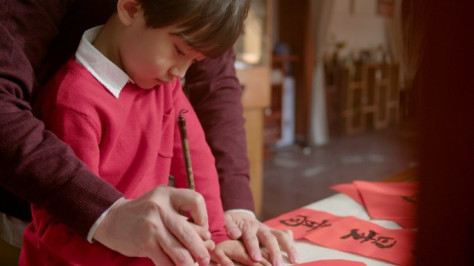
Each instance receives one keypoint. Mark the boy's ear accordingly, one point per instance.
(127, 11)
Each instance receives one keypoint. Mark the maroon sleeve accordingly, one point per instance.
(35, 165)
(215, 94)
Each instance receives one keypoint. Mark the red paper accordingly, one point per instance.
(333, 263)
(350, 190)
(361, 237)
(302, 221)
(395, 201)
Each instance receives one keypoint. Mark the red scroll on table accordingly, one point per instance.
(394, 201)
(358, 236)
(349, 234)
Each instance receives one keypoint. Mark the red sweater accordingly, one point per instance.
(132, 142)
(36, 38)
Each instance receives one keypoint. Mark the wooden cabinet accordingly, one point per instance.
(253, 70)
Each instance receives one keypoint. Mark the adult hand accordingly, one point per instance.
(253, 233)
(151, 226)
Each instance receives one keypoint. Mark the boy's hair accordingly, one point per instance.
(209, 26)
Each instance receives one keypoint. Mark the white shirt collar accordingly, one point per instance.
(106, 72)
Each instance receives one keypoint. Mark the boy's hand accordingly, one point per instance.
(233, 250)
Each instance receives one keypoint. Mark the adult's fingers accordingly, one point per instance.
(248, 226)
(172, 246)
(189, 235)
(135, 227)
(285, 239)
(202, 232)
(250, 239)
(233, 231)
(210, 245)
(268, 240)
(191, 202)
(159, 258)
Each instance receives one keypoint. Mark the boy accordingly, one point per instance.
(116, 105)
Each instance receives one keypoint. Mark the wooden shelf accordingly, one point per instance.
(362, 98)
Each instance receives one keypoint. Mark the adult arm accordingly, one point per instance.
(36, 165)
(215, 94)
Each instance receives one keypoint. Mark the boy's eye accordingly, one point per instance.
(179, 51)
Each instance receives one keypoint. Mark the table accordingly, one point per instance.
(343, 205)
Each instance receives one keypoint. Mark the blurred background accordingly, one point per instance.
(328, 97)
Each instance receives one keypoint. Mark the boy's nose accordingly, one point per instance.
(180, 71)
(177, 72)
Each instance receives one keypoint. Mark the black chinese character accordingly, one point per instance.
(304, 221)
(385, 242)
(380, 241)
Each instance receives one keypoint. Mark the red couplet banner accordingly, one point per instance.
(349, 234)
(361, 237)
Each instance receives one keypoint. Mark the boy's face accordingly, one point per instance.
(152, 56)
